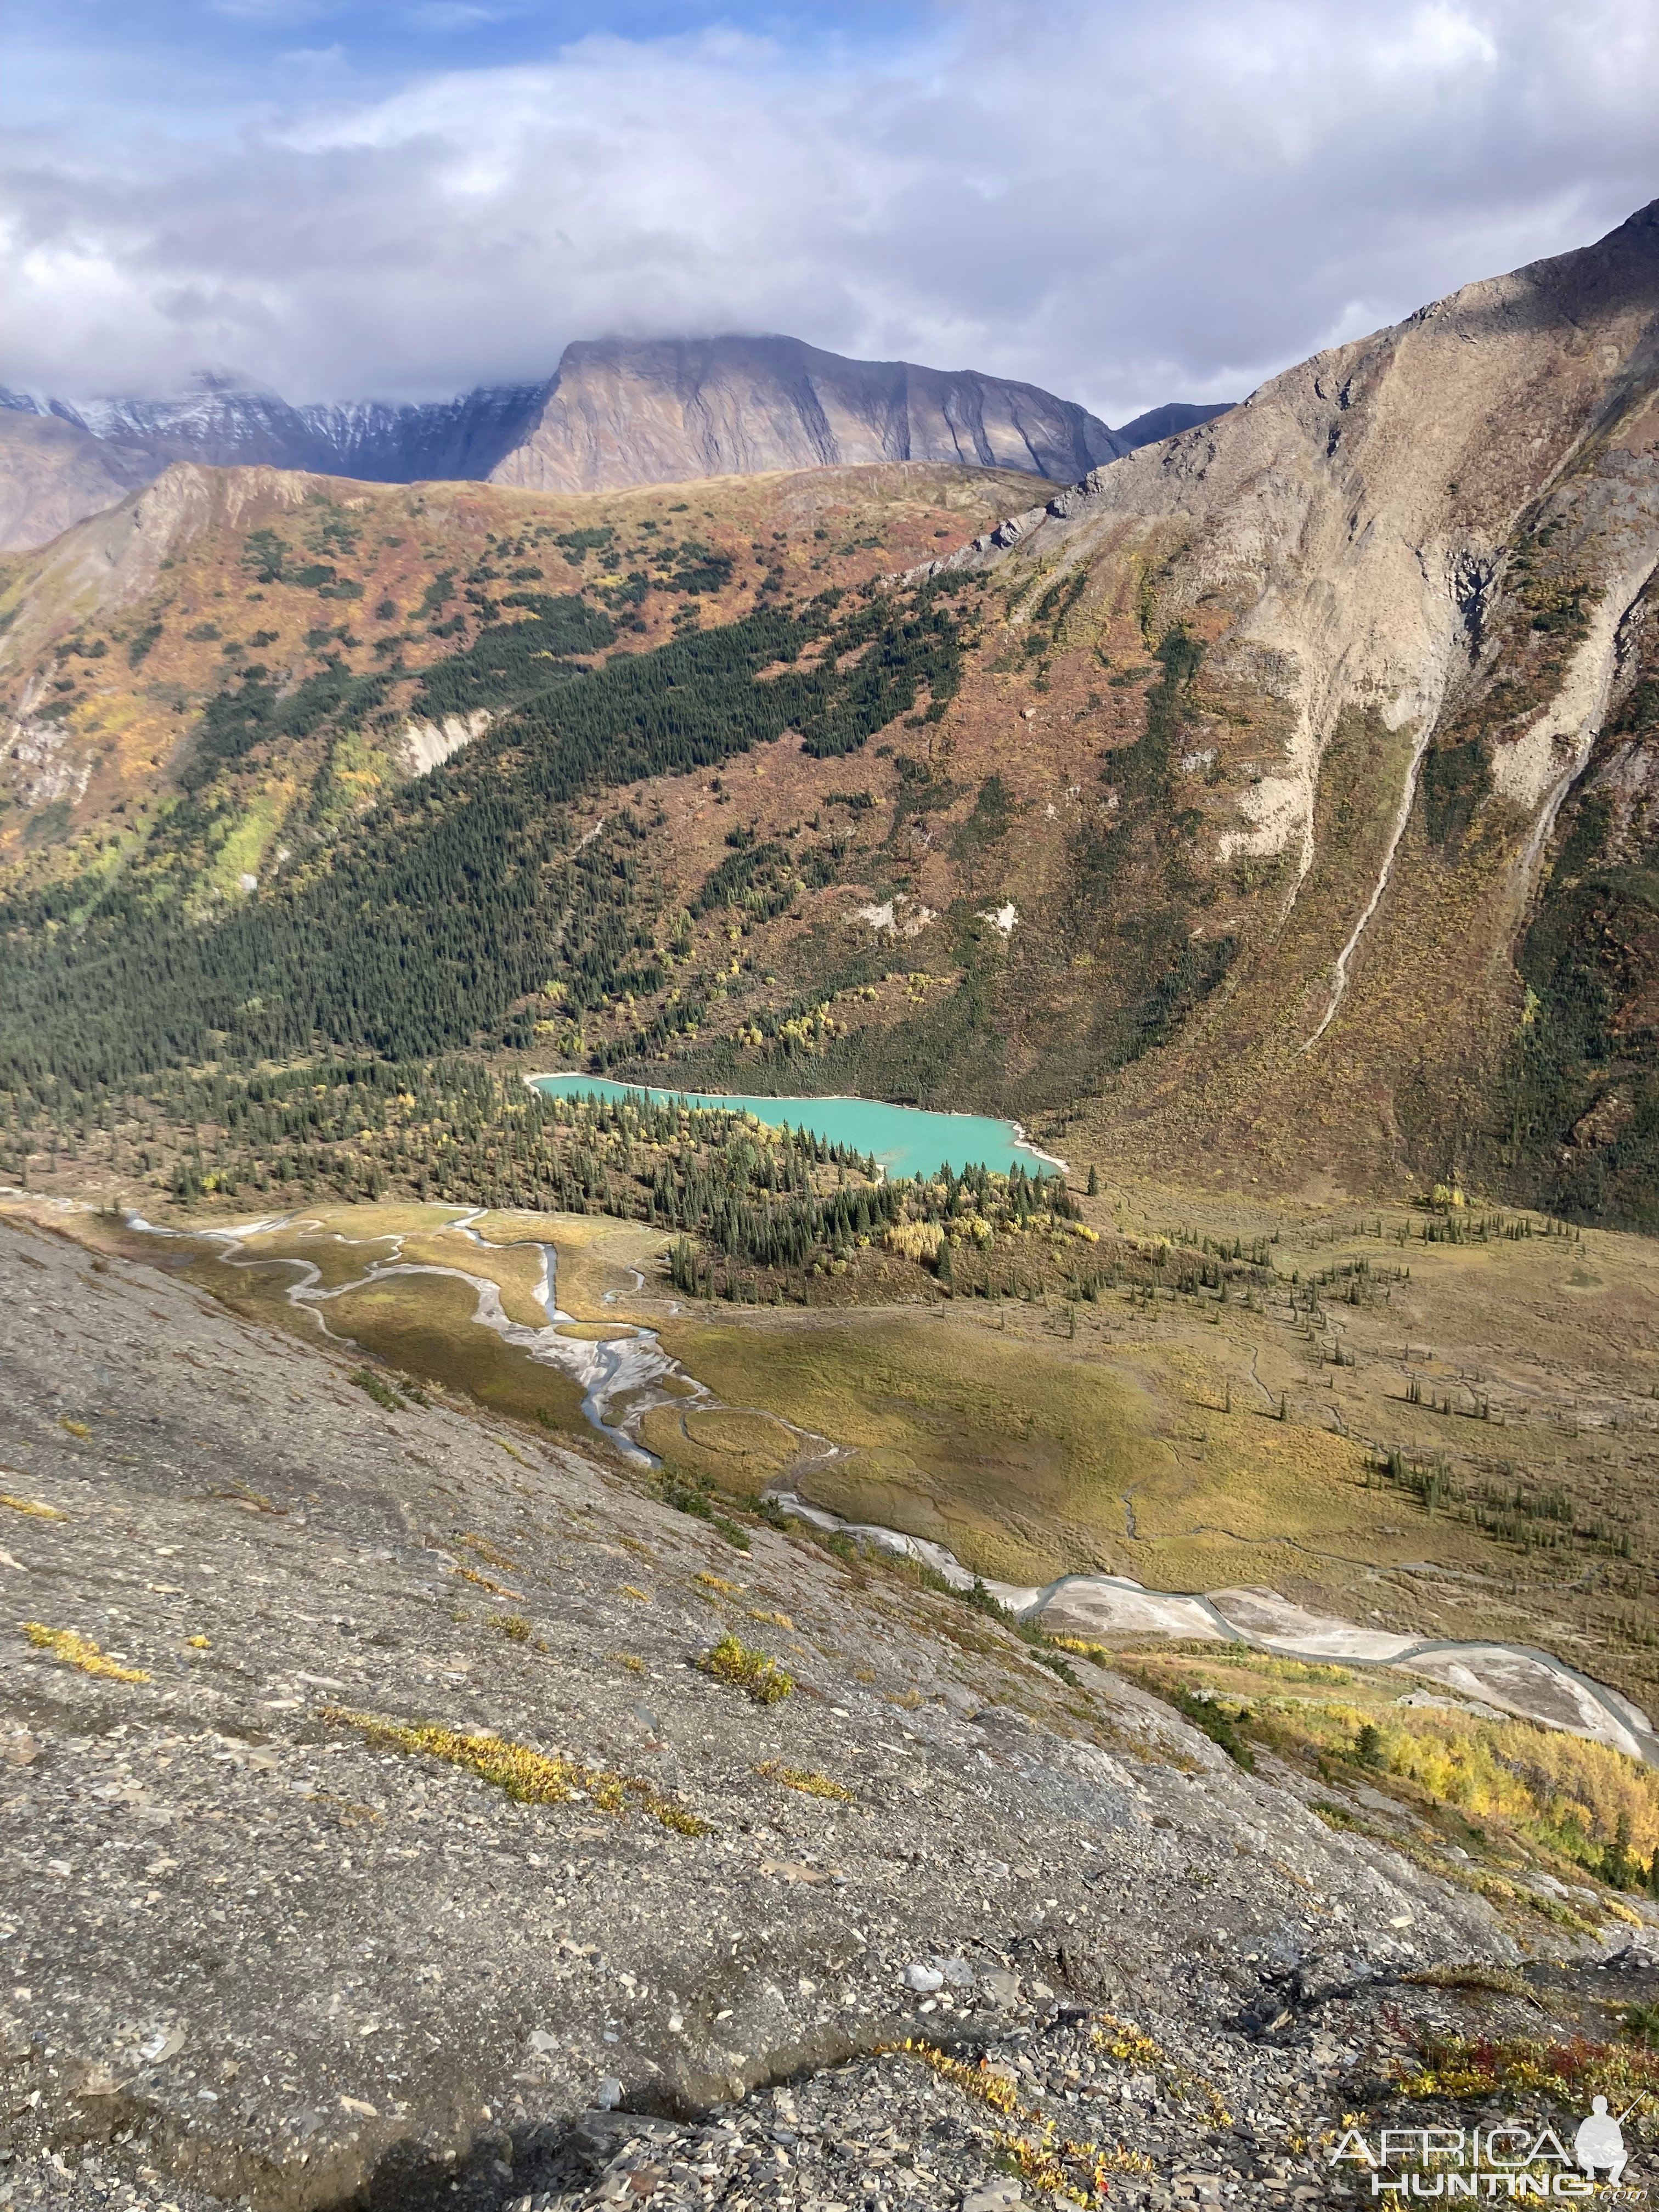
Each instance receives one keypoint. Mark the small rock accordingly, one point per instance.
(609, 2094)
(994, 2196)
(1001, 1985)
(1205, 2187)
(1633, 1957)
(1324, 1974)
(956, 1972)
(924, 1979)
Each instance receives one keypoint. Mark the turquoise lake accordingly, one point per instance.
(905, 1139)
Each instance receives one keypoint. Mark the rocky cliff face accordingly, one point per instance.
(444, 442)
(622, 411)
(1398, 607)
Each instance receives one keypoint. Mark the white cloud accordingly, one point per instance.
(280, 12)
(445, 16)
(1164, 197)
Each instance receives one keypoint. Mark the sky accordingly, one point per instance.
(1124, 201)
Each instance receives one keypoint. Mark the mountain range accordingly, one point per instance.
(615, 412)
(1302, 764)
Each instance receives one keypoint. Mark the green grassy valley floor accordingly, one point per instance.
(1452, 1438)
(1455, 1438)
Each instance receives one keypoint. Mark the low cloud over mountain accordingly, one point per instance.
(1117, 204)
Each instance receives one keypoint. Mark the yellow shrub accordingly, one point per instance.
(79, 1651)
(28, 1505)
(752, 1671)
(808, 1780)
(1539, 1780)
(533, 1777)
(914, 1240)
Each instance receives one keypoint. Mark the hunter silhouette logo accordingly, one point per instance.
(1511, 2160)
(1599, 2141)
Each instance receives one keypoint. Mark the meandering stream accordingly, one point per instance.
(632, 1366)
(625, 1378)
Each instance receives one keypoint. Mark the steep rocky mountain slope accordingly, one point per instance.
(1390, 797)
(226, 421)
(54, 472)
(633, 411)
(615, 412)
(1167, 422)
(383, 1826)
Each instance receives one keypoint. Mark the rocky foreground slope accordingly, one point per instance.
(275, 1935)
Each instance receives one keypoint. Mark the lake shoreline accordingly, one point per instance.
(1016, 1139)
